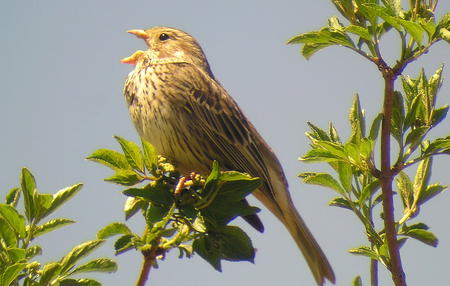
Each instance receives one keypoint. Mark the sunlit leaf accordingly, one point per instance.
(322, 179)
(110, 158)
(14, 220)
(150, 155)
(49, 272)
(113, 229)
(96, 265)
(79, 252)
(424, 236)
(28, 185)
(62, 196)
(51, 226)
(132, 153)
(12, 197)
(365, 251)
(340, 202)
(11, 273)
(125, 178)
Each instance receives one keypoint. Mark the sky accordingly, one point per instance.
(61, 99)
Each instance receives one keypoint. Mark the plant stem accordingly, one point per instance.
(145, 270)
(398, 276)
(149, 260)
(373, 272)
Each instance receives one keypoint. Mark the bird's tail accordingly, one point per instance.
(314, 256)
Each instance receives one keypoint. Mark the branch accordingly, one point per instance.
(398, 276)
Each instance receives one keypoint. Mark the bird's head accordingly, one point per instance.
(171, 45)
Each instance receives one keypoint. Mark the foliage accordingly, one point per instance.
(18, 231)
(407, 116)
(191, 214)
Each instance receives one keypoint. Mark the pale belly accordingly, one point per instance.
(171, 130)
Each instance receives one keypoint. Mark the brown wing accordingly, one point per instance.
(238, 142)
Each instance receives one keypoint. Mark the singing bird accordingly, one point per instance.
(176, 103)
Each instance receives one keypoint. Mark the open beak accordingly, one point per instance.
(139, 33)
(133, 58)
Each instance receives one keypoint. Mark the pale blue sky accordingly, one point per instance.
(62, 99)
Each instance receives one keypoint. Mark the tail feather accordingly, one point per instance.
(314, 256)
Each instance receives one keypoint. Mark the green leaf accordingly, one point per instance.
(62, 196)
(12, 197)
(317, 133)
(334, 34)
(51, 226)
(405, 186)
(11, 273)
(213, 178)
(7, 233)
(364, 251)
(419, 225)
(237, 189)
(357, 121)
(150, 155)
(416, 135)
(155, 214)
(14, 220)
(156, 193)
(208, 249)
(375, 127)
(322, 179)
(382, 12)
(414, 109)
(132, 153)
(79, 282)
(369, 190)
(33, 251)
(79, 252)
(28, 185)
(442, 27)
(438, 115)
(334, 137)
(42, 202)
(357, 281)
(133, 205)
(125, 178)
(16, 254)
(113, 229)
(424, 236)
(394, 6)
(398, 117)
(345, 175)
(236, 244)
(437, 146)
(49, 272)
(110, 158)
(124, 243)
(326, 151)
(429, 27)
(422, 177)
(96, 265)
(360, 31)
(414, 29)
(431, 191)
(340, 202)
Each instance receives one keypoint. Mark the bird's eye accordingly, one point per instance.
(163, 37)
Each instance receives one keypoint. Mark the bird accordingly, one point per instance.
(177, 104)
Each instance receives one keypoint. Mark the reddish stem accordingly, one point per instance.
(386, 177)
